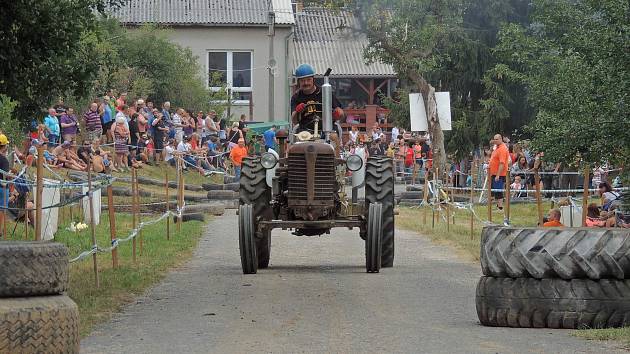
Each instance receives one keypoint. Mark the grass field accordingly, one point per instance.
(120, 286)
(459, 237)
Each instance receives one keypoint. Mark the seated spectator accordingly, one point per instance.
(68, 158)
(610, 199)
(169, 150)
(594, 217)
(554, 219)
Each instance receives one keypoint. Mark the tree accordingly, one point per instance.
(39, 42)
(573, 59)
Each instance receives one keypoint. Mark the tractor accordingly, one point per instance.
(302, 189)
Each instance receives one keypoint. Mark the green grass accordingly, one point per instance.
(458, 236)
(120, 286)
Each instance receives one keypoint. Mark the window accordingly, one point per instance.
(230, 68)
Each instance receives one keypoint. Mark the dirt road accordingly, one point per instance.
(317, 298)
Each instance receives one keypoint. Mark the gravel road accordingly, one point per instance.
(317, 298)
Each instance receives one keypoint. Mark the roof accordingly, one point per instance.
(324, 40)
(203, 12)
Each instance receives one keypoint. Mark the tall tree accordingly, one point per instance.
(39, 43)
(574, 60)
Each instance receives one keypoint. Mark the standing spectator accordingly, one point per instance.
(143, 118)
(222, 129)
(149, 109)
(236, 155)
(4, 188)
(270, 138)
(134, 135)
(52, 127)
(69, 125)
(169, 150)
(93, 122)
(395, 133)
(160, 131)
(121, 139)
(166, 113)
(499, 164)
(234, 135)
(121, 101)
(188, 123)
(178, 125)
(107, 118)
(242, 125)
(353, 135)
(554, 219)
(60, 107)
(211, 126)
(200, 124)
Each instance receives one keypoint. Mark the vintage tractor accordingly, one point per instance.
(303, 189)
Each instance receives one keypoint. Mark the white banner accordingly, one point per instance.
(417, 113)
(443, 101)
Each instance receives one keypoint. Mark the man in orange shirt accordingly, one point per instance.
(499, 165)
(236, 155)
(554, 219)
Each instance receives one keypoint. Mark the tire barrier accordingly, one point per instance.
(32, 268)
(553, 303)
(567, 253)
(554, 277)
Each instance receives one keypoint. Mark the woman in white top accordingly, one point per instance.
(353, 134)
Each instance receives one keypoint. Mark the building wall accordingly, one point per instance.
(203, 39)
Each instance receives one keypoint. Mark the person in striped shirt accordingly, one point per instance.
(93, 122)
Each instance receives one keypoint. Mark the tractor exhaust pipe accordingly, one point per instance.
(327, 105)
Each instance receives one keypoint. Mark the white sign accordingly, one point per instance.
(443, 101)
(96, 203)
(50, 196)
(417, 113)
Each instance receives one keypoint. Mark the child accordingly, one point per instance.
(517, 186)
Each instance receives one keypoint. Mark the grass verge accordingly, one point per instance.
(467, 245)
(120, 286)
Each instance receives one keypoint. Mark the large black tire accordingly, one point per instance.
(374, 238)
(553, 303)
(568, 253)
(379, 188)
(40, 324)
(33, 268)
(247, 240)
(254, 190)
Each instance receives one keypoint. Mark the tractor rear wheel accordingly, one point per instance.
(254, 190)
(374, 238)
(379, 188)
(246, 239)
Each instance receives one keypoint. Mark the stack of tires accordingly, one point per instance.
(35, 315)
(554, 278)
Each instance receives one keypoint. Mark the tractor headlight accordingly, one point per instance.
(354, 162)
(268, 160)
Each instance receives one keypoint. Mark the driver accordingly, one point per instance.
(306, 103)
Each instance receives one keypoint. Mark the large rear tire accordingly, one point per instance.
(553, 303)
(379, 188)
(246, 239)
(374, 237)
(254, 190)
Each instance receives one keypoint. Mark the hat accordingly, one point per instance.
(235, 125)
(140, 101)
(3, 140)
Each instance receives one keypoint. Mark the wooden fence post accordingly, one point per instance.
(92, 224)
(138, 213)
(39, 190)
(425, 196)
(168, 208)
(507, 195)
(112, 224)
(133, 213)
(538, 198)
(472, 199)
(587, 171)
(180, 190)
(489, 196)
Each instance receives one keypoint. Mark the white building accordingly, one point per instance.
(230, 37)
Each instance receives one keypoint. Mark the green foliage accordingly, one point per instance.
(573, 60)
(41, 46)
(9, 125)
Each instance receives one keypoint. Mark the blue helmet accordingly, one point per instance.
(304, 70)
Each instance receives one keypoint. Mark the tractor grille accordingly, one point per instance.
(324, 178)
